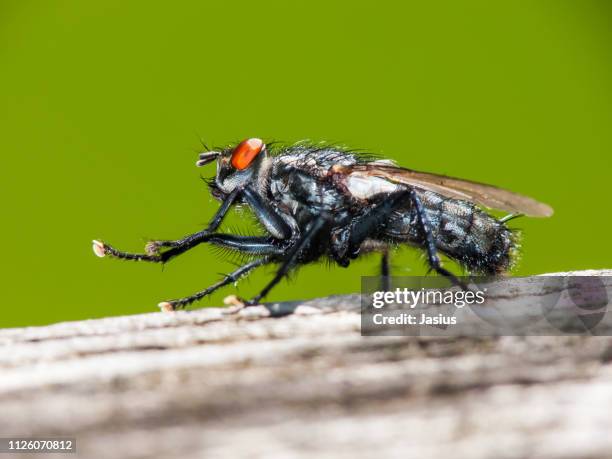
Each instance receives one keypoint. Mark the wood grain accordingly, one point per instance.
(297, 380)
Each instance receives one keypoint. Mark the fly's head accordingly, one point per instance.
(237, 166)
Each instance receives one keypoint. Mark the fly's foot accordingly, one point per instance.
(99, 248)
(174, 305)
(235, 303)
(167, 306)
(234, 300)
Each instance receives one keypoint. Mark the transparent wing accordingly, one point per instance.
(479, 193)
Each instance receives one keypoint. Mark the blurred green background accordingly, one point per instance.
(103, 104)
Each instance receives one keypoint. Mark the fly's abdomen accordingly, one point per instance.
(461, 231)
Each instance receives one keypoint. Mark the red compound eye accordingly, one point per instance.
(246, 151)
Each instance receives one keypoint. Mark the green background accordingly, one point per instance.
(103, 104)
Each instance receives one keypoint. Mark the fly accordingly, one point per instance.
(318, 201)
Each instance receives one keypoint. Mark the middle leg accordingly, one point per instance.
(266, 247)
(292, 257)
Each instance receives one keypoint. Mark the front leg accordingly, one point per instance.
(268, 216)
(266, 247)
(265, 213)
(176, 247)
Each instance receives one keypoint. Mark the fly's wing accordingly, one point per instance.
(479, 193)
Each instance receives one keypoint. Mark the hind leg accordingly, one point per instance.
(349, 240)
(430, 244)
(385, 271)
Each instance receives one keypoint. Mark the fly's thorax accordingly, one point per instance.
(300, 178)
(304, 195)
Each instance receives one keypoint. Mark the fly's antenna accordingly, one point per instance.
(207, 157)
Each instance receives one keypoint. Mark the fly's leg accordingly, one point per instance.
(228, 279)
(385, 271)
(268, 216)
(180, 246)
(103, 249)
(346, 242)
(176, 247)
(245, 244)
(251, 245)
(430, 243)
(153, 253)
(369, 223)
(291, 258)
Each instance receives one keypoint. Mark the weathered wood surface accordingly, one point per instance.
(207, 384)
